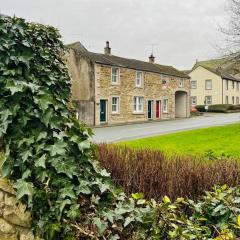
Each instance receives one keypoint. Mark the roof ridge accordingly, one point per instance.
(136, 64)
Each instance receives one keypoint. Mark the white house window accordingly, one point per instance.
(181, 82)
(226, 101)
(226, 84)
(115, 104)
(194, 100)
(193, 84)
(208, 84)
(208, 100)
(115, 76)
(233, 100)
(139, 79)
(138, 104)
(237, 100)
(237, 86)
(233, 84)
(165, 105)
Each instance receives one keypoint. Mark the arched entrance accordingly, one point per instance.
(181, 105)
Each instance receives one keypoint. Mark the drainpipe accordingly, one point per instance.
(222, 90)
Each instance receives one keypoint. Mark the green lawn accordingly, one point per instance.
(221, 140)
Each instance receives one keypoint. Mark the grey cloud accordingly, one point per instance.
(183, 30)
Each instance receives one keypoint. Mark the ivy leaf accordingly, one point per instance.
(58, 148)
(104, 173)
(83, 187)
(14, 87)
(64, 203)
(26, 174)
(6, 168)
(101, 225)
(26, 154)
(67, 192)
(64, 166)
(84, 145)
(74, 211)
(41, 162)
(42, 135)
(128, 220)
(23, 188)
(43, 101)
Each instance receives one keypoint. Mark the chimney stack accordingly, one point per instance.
(107, 49)
(151, 59)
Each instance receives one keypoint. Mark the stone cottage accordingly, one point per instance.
(108, 89)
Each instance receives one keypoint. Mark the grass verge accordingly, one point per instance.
(221, 141)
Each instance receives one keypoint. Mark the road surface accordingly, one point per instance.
(140, 130)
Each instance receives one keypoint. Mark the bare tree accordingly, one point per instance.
(232, 31)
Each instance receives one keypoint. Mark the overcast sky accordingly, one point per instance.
(181, 31)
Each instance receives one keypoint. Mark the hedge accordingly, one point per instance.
(201, 108)
(220, 108)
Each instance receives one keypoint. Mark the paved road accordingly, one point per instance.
(134, 131)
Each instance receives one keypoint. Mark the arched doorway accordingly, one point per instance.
(181, 104)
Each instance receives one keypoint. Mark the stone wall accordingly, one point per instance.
(152, 89)
(15, 221)
(81, 70)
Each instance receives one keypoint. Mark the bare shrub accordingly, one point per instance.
(156, 174)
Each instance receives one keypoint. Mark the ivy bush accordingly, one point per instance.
(47, 153)
(51, 160)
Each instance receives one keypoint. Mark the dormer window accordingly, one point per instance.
(139, 79)
(115, 76)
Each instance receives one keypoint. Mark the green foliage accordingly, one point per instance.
(47, 153)
(200, 108)
(224, 108)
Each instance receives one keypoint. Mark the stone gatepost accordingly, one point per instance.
(15, 221)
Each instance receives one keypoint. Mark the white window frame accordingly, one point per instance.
(138, 104)
(165, 105)
(195, 86)
(238, 86)
(181, 82)
(233, 84)
(117, 111)
(117, 76)
(208, 102)
(237, 100)
(192, 102)
(226, 84)
(233, 100)
(139, 81)
(226, 100)
(206, 85)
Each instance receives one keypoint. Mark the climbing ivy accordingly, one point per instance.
(47, 152)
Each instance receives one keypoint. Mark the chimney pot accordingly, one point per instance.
(107, 49)
(151, 59)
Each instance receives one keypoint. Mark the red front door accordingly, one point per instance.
(158, 109)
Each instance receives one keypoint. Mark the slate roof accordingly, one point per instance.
(136, 64)
(223, 74)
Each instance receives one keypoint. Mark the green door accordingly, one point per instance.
(103, 111)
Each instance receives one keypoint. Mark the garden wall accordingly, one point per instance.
(14, 220)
